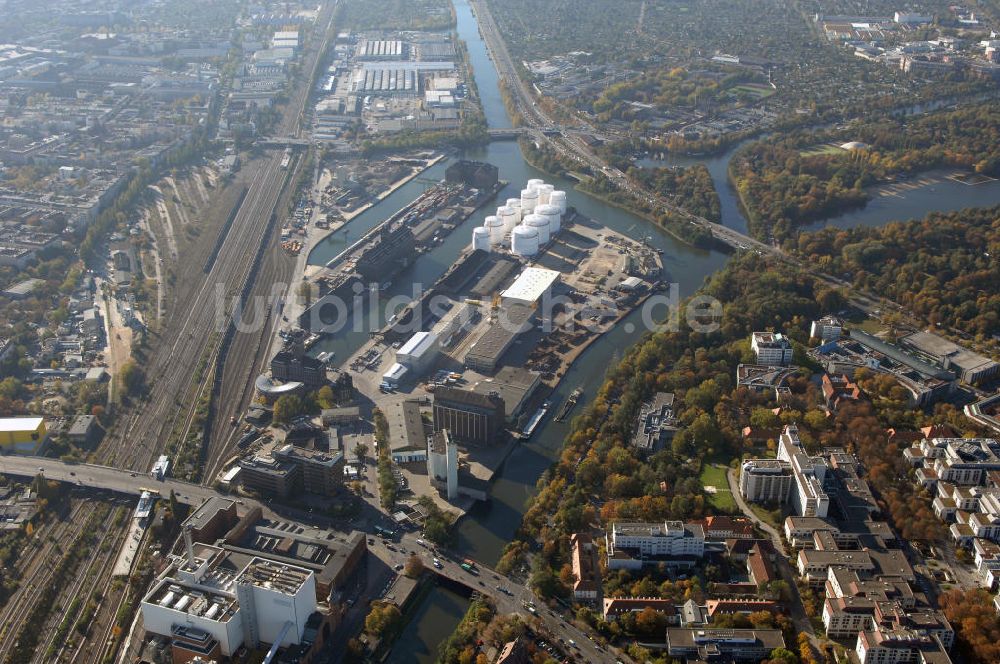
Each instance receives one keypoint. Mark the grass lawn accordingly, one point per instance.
(760, 92)
(768, 516)
(870, 325)
(827, 148)
(712, 475)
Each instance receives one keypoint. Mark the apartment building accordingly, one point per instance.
(766, 480)
(808, 496)
(586, 570)
(771, 348)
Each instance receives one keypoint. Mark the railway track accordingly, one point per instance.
(18, 610)
(107, 644)
(85, 582)
(143, 430)
(248, 354)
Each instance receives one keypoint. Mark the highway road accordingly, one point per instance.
(552, 625)
(487, 581)
(107, 478)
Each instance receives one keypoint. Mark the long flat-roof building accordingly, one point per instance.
(486, 352)
(418, 352)
(808, 496)
(632, 545)
(970, 366)
(380, 49)
(531, 285)
(707, 644)
(586, 569)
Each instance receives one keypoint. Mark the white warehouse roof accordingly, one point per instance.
(418, 344)
(530, 284)
(15, 424)
(395, 373)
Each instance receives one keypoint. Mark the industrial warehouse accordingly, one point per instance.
(478, 354)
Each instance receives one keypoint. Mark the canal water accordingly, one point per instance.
(887, 203)
(431, 625)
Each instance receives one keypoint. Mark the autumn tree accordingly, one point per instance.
(414, 566)
(977, 627)
(383, 619)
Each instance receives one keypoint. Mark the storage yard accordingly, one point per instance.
(506, 321)
(373, 260)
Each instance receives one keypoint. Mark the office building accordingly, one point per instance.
(320, 472)
(766, 480)
(771, 348)
(286, 470)
(632, 545)
(827, 328)
(708, 644)
(471, 418)
(292, 365)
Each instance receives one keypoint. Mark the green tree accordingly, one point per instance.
(287, 407)
(764, 418)
(382, 620)
(324, 397)
(132, 378)
(11, 388)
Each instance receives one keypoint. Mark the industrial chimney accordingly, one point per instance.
(189, 545)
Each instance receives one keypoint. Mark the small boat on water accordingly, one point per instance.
(535, 420)
(570, 404)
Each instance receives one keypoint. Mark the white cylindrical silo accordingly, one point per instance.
(508, 216)
(529, 199)
(544, 192)
(550, 212)
(480, 238)
(540, 224)
(494, 225)
(515, 204)
(535, 184)
(524, 241)
(558, 198)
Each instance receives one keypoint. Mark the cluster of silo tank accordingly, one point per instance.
(530, 221)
